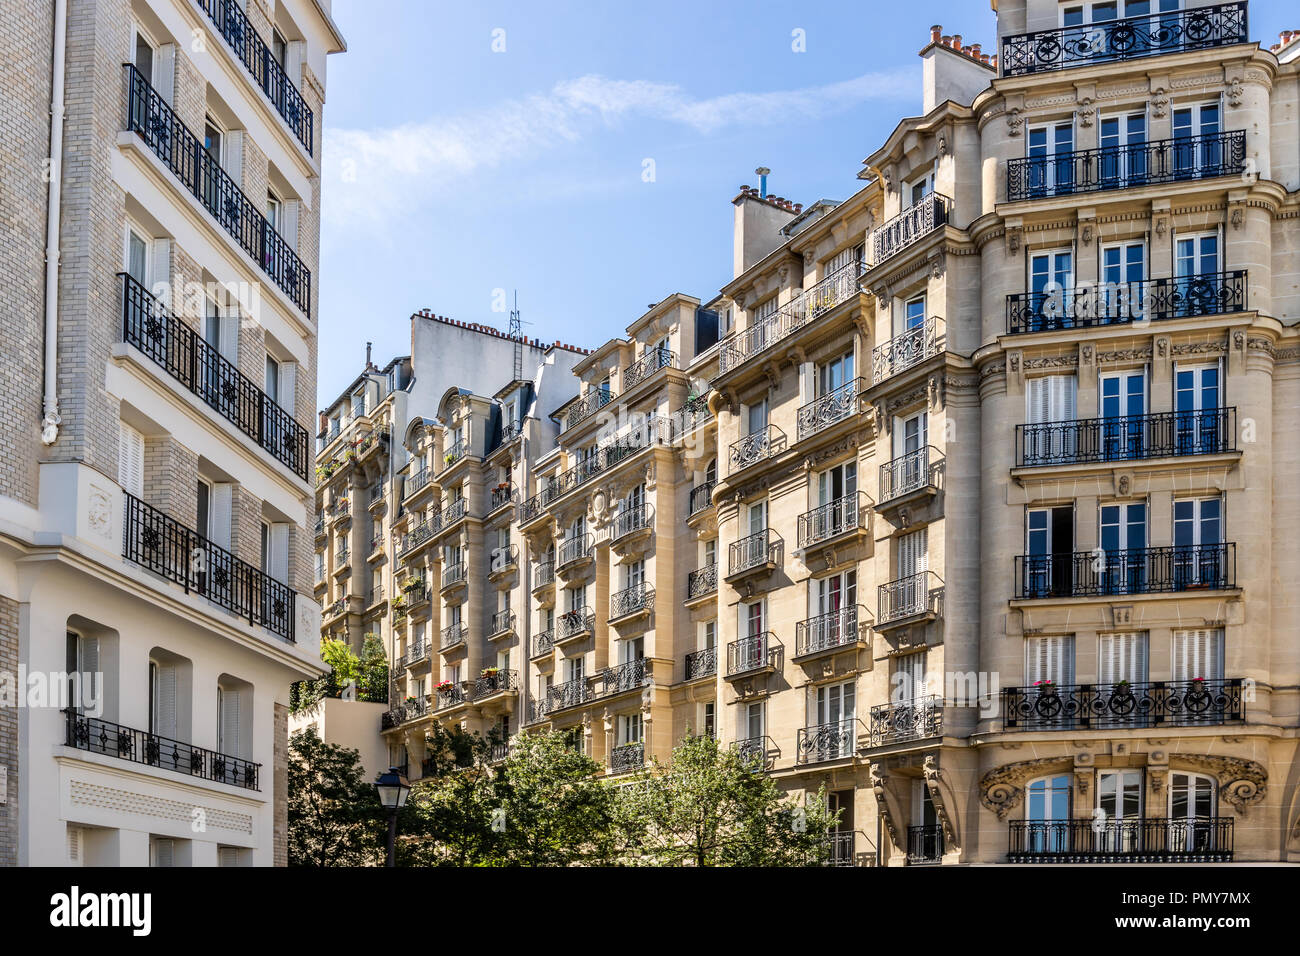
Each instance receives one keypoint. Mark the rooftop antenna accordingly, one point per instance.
(763, 172)
(517, 333)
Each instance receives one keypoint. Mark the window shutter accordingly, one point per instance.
(89, 647)
(234, 157)
(130, 460)
(76, 855)
(1049, 658)
(164, 853)
(1122, 657)
(229, 719)
(1036, 404)
(227, 856)
(289, 222)
(165, 72)
(1198, 653)
(228, 334)
(165, 719)
(807, 381)
(222, 498)
(160, 270)
(288, 386)
(280, 551)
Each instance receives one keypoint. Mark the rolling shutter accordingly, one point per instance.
(165, 701)
(76, 850)
(229, 721)
(280, 551)
(288, 386)
(163, 853)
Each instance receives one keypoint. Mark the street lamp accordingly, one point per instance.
(393, 788)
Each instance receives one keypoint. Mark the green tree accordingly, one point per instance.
(372, 680)
(448, 816)
(335, 818)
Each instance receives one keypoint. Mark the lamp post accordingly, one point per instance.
(393, 789)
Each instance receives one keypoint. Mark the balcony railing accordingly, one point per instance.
(627, 757)
(182, 152)
(1210, 431)
(535, 506)
(835, 518)
(452, 695)
(924, 844)
(701, 497)
(693, 413)
(499, 497)
(646, 431)
(833, 407)
(568, 694)
(537, 711)
(575, 549)
(830, 741)
(907, 597)
(458, 450)
(597, 398)
(1174, 32)
(451, 514)
(454, 634)
(232, 23)
(503, 622)
(840, 850)
(574, 623)
(701, 664)
(205, 372)
(417, 481)
(414, 655)
(495, 683)
(905, 474)
(543, 642)
(649, 363)
(753, 551)
(702, 581)
(543, 574)
(416, 537)
(1050, 706)
(631, 600)
(629, 521)
(1122, 167)
(838, 287)
(453, 575)
(910, 226)
(905, 350)
(757, 752)
(914, 719)
(95, 735)
(756, 447)
(752, 653)
(828, 631)
(630, 675)
(1088, 306)
(1159, 840)
(168, 548)
(1160, 570)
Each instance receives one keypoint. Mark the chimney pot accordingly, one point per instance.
(956, 42)
(798, 207)
(947, 41)
(936, 32)
(974, 50)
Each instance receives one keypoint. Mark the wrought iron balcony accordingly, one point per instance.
(753, 653)
(630, 521)
(376, 595)
(757, 752)
(490, 684)
(1210, 431)
(831, 741)
(702, 581)
(454, 634)
(537, 711)
(417, 481)
(840, 849)
(448, 694)
(833, 407)
(575, 623)
(645, 432)
(649, 363)
(900, 722)
(458, 450)
(420, 534)
(166, 547)
(1160, 570)
(826, 632)
(701, 664)
(1201, 28)
(909, 226)
(756, 447)
(693, 413)
(1123, 167)
(503, 622)
(906, 474)
(509, 432)
(627, 757)
(701, 497)
(535, 507)
(924, 845)
(833, 519)
(501, 496)
(912, 596)
(504, 560)
(1050, 706)
(756, 552)
(597, 398)
(568, 694)
(95, 735)
(449, 515)
(1157, 840)
(415, 654)
(453, 575)
(232, 23)
(320, 526)
(633, 600)
(574, 549)
(205, 372)
(905, 350)
(341, 558)
(631, 675)
(543, 574)
(182, 152)
(1088, 306)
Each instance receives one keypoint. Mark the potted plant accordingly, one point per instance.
(1045, 687)
(444, 685)
(489, 672)
(1123, 688)
(410, 701)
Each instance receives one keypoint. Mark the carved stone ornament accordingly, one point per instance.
(1236, 90)
(1087, 234)
(1242, 782)
(1002, 789)
(99, 513)
(1013, 241)
(1162, 226)
(1238, 217)
(1014, 121)
(1086, 111)
(879, 782)
(1159, 101)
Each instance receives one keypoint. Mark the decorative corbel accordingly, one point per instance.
(1086, 111)
(1236, 91)
(879, 787)
(1014, 121)
(1159, 101)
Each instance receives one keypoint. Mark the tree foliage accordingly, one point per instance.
(335, 818)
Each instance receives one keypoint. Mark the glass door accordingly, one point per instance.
(1123, 405)
(1197, 149)
(1124, 540)
(1117, 824)
(1047, 815)
(1051, 166)
(1192, 807)
(1196, 267)
(1198, 531)
(1051, 279)
(1123, 158)
(834, 718)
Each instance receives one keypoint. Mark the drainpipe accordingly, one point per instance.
(51, 420)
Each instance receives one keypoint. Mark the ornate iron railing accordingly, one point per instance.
(1088, 306)
(905, 597)
(574, 623)
(457, 450)
(839, 849)
(752, 653)
(99, 736)
(899, 722)
(758, 752)
(910, 226)
(503, 558)
(694, 413)
(568, 694)
(828, 631)
(182, 152)
(417, 536)
(701, 497)
(452, 696)
(543, 574)
(376, 595)
(232, 23)
(627, 757)
(631, 520)
(905, 350)
(649, 363)
(905, 474)
(631, 675)
(500, 682)
(574, 549)
(631, 601)
(453, 575)
(597, 398)
(449, 515)
(416, 481)
(1146, 704)
(509, 432)
(1159, 570)
(499, 497)
(1158, 840)
(535, 507)
(503, 622)
(166, 547)
(702, 663)
(830, 741)
(755, 447)
(537, 711)
(1173, 32)
(835, 406)
(543, 642)
(849, 513)
(1209, 431)
(415, 654)
(702, 581)
(202, 370)
(753, 551)
(1122, 167)
(454, 634)
(924, 844)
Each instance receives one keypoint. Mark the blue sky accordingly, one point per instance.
(452, 171)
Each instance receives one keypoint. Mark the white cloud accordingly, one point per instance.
(372, 174)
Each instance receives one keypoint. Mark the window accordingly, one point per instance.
(162, 852)
(757, 516)
(913, 314)
(1049, 399)
(162, 699)
(1051, 277)
(1123, 159)
(137, 255)
(213, 143)
(757, 416)
(146, 56)
(1124, 539)
(918, 189)
(708, 719)
(634, 574)
(755, 721)
(1198, 653)
(709, 635)
(911, 435)
(845, 258)
(1123, 268)
(1193, 803)
(1196, 403)
(1196, 258)
(232, 728)
(203, 497)
(1123, 403)
(82, 659)
(573, 669)
(1049, 550)
(1049, 658)
(1121, 657)
(320, 565)
(274, 208)
(838, 482)
(1047, 811)
(910, 680)
(835, 705)
(751, 622)
(629, 729)
(1198, 149)
(278, 47)
(1051, 167)
(912, 556)
(272, 379)
(834, 374)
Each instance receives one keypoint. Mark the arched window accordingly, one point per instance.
(1047, 814)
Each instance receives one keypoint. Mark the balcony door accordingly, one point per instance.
(834, 712)
(1123, 399)
(832, 485)
(1117, 826)
(1050, 400)
(1198, 654)
(829, 601)
(1123, 270)
(1196, 268)
(1051, 164)
(835, 374)
(757, 521)
(1049, 660)
(754, 727)
(1049, 546)
(1051, 277)
(910, 679)
(1121, 657)
(913, 560)
(1192, 808)
(1198, 149)
(913, 318)
(1198, 530)
(1124, 540)
(1196, 407)
(910, 465)
(1123, 159)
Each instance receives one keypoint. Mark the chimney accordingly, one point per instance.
(936, 33)
(369, 364)
(951, 71)
(756, 223)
